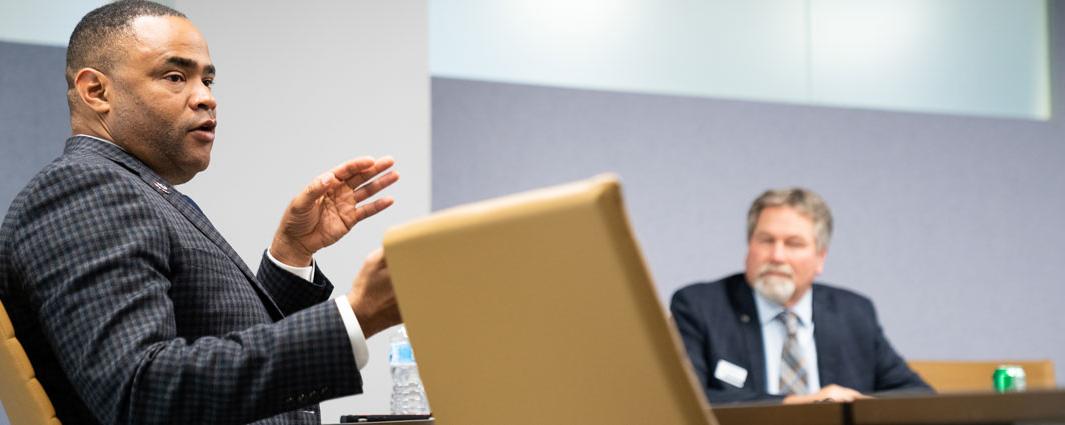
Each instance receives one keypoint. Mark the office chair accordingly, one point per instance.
(538, 308)
(23, 397)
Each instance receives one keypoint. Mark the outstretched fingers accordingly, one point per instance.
(308, 197)
(372, 208)
(353, 167)
(383, 181)
(359, 177)
(355, 182)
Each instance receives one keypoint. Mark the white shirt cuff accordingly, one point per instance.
(351, 323)
(307, 273)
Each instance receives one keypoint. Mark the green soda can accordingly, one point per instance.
(1009, 379)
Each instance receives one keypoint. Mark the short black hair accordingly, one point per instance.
(94, 42)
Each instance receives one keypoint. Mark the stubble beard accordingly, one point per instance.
(163, 139)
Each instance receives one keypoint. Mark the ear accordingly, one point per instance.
(94, 89)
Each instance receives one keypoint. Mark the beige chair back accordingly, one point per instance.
(23, 397)
(975, 376)
(538, 308)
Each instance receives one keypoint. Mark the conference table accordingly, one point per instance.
(1033, 407)
(1042, 407)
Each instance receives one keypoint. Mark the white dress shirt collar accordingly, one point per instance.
(769, 310)
(102, 140)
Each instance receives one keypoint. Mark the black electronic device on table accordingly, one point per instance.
(359, 419)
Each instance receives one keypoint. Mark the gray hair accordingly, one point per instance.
(805, 201)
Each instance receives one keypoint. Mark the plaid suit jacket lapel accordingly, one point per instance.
(175, 198)
(201, 222)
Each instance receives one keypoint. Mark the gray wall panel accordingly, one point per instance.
(952, 224)
(34, 120)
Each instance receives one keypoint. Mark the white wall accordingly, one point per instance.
(301, 87)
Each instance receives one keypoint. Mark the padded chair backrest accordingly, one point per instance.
(23, 397)
(948, 376)
(538, 308)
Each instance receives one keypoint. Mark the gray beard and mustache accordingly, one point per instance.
(776, 288)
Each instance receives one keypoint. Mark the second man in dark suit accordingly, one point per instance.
(772, 333)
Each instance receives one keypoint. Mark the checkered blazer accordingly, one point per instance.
(135, 310)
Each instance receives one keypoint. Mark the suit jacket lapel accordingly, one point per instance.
(742, 299)
(201, 222)
(826, 337)
(175, 198)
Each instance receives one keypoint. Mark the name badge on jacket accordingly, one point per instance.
(730, 373)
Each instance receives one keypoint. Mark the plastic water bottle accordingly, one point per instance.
(408, 394)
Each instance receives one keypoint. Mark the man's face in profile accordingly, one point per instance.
(782, 256)
(162, 106)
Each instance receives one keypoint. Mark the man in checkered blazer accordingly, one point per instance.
(130, 305)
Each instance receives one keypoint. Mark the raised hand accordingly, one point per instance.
(330, 206)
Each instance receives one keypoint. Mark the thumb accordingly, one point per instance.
(376, 259)
(310, 194)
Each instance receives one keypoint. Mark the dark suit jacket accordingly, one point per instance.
(719, 321)
(134, 309)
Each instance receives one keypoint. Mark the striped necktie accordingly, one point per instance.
(792, 373)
